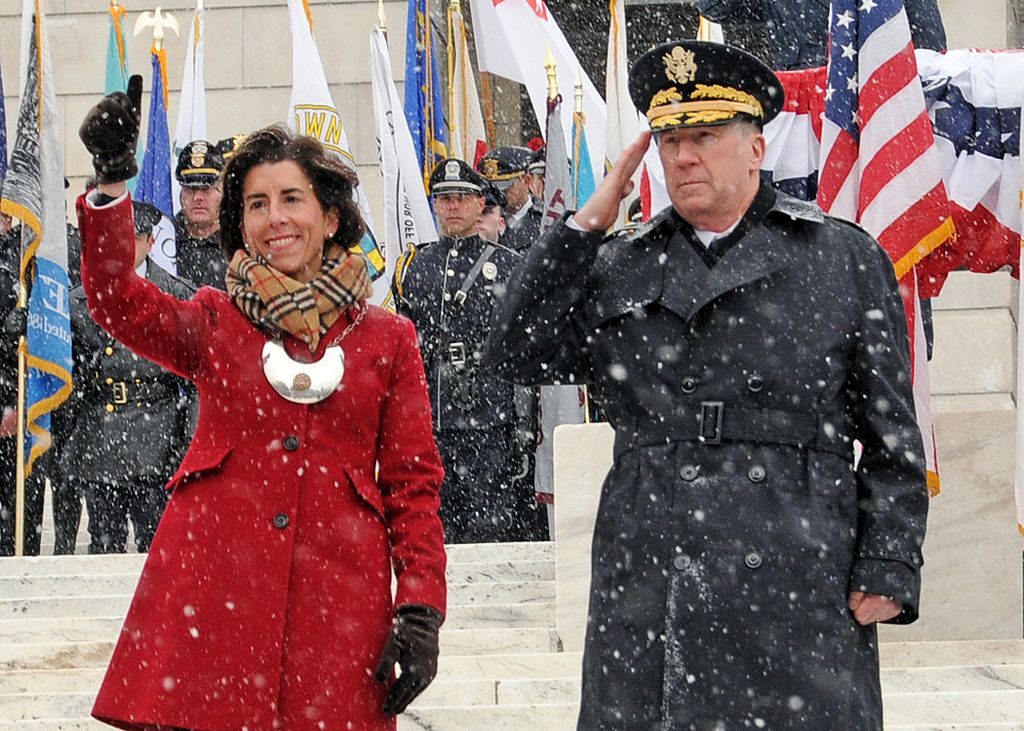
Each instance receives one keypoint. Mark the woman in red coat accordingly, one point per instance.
(266, 601)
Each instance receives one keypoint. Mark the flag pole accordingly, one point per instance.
(382, 22)
(20, 473)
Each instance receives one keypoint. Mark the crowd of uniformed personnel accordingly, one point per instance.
(122, 432)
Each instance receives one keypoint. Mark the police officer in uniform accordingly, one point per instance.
(448, 289)
(506, 168)
(128, 417)
(740, 342)
(197, 226)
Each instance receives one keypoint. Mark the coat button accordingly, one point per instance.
(110, 381)
(109, 408)
(108, 350)
(681, 562)
(291, 443)
(689, 472)
(757, 473)
(281, 521)
(755, 383)
(752, 560)
(689, 384)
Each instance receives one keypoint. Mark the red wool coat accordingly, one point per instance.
(266, 600)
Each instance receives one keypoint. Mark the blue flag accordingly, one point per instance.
(34, 193)
(582, 173)
(424, 108)
(154, 182)
(117, 52)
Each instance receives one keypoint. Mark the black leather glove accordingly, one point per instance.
(110, 132)
(413, 645)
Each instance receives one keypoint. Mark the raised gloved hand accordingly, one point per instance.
(110, 132)
(413, 645)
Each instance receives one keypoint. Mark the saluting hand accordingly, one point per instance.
(602, 207)
(110, 131)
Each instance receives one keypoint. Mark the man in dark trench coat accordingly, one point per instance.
(740, 342)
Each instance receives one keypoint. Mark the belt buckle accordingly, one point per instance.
(120, 389)
(709, 422)
(457, 353)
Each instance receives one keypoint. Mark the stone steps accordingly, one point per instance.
(55, 573)
(501, 669)
(464, 616)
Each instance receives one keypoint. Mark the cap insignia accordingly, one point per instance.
(680, 66)
(452, 171)
(490, 167)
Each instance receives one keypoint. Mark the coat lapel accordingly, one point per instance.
(690, 285)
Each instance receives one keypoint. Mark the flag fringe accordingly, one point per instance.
(934, 484)
(929, 243)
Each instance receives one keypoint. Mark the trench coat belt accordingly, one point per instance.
(130, 392)
(712, 422)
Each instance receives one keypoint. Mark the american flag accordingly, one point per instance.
(879, 164)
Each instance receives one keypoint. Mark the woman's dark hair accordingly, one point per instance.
(333, 184)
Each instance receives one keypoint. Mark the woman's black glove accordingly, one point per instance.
(110, 132)
(413, 645)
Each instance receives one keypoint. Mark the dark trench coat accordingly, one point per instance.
(733, 523)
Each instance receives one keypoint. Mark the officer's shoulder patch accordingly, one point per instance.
(796, 208)
(402, 267)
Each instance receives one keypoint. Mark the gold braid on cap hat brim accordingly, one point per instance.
(201, 171)
(715, 103)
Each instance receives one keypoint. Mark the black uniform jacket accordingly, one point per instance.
(463, 394)
(200, 261)
(127, 417)
(520, 235)
(733, 523)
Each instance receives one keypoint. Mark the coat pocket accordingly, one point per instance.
(366, 488)
(198, 461)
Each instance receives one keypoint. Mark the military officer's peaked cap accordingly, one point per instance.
(698, 83)
(456, 176)
(493, 196)
(146, 216)
(503, 165)
(228, 146)
(538, 163)
(199, 165)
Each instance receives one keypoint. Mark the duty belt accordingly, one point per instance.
(712, 422)
(123, 393)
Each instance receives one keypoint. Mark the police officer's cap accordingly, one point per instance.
(228, 146)
(199, 165)
(699, 84)
(146, 216)
(456, 176)
(504, 165)
(493, 196)
(538, 163)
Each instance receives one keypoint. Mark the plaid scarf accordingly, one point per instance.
(277, 304)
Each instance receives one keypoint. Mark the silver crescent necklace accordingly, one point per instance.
(307, 383)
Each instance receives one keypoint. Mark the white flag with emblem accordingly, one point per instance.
(407, 217)
(311, 112)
